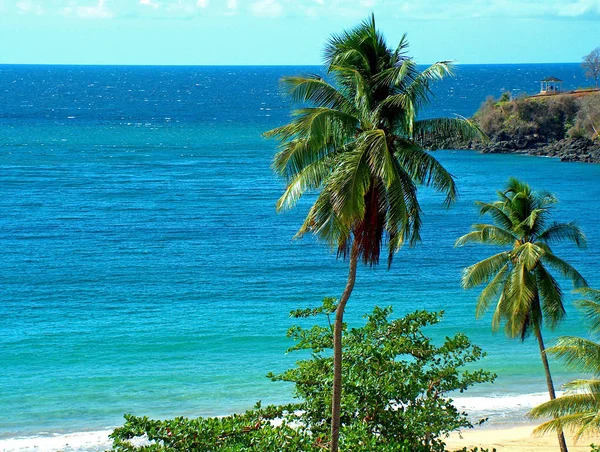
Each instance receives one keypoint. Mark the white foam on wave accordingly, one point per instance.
(511, 402)
(501, 410)
(80, 441)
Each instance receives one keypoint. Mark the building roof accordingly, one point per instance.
(552, 79)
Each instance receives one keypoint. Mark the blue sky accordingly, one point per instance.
(290, 31)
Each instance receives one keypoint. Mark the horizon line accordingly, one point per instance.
(258, 65)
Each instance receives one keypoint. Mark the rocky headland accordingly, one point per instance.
(563, 126)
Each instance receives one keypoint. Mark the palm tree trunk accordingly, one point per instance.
(538, 334)
(336, 400)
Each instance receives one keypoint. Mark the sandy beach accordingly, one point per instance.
(515, 439)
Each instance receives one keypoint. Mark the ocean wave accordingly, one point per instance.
(502, 409)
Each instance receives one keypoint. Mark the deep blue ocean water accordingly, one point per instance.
(143, 268)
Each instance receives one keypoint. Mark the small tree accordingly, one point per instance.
(591, 65)
(397, 380)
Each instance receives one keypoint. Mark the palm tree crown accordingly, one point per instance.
(519, 278)
(356, 143)
(579, 409)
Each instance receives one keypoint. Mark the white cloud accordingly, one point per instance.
(29, 7)
(355, 9)
(149, 3)
(579, 8)
(97, 11)
(267, 8)
(231, 7)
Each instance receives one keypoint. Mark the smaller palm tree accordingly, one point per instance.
(579, 408)
(518, 279)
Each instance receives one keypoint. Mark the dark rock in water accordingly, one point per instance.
(568, 150)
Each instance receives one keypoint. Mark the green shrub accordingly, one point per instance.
(395, 395)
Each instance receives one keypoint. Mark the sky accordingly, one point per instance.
(290, 32)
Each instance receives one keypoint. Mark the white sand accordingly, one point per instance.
(515, 439)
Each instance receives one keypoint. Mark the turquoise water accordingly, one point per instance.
(143, 268)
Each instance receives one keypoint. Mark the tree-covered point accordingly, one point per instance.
(396, 397)
(540, 119)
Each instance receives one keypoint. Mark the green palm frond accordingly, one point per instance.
(589, 386)
(296, 155)
(486, 234)
(310, 177)
(591, 294)
(442, 128)
(578, 353)
(491, 291)
(501, 307)
(495, 210)
(567, 270)
(580, 423)
(314, 89)
(348, 183)
(324, 223)
(529, 254)
(559, 232)
(397, 75)
(590, 307)
(521, 296)
(375, 144)
(484, 271)
(551, 296)
(425, 169)
(419, 91)
(404, 214)
(567, 405)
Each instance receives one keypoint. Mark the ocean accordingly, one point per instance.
(144, 270)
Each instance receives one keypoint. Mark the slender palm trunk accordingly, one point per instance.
(336, 400)
(538, 334)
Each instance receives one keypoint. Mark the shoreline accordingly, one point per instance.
(505, 438)
(507, 424)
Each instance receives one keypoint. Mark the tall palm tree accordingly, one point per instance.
(354, 140)
(518, 279)
(579, 408)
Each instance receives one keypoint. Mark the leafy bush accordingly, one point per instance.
(395, 395)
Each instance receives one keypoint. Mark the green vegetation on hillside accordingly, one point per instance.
(540, 119)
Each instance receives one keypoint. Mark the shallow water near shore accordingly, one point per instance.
(143, 268)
